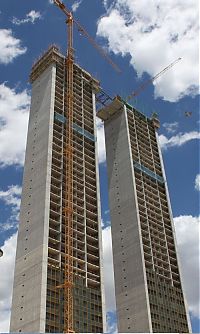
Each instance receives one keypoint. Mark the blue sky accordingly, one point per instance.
(141, 43)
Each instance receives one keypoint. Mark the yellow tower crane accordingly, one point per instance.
(68, 197)
(68, 192)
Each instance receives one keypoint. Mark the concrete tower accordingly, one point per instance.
(37, 304)
(149, 295)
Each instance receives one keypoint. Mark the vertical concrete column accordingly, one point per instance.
(29, 293)
(132, 309)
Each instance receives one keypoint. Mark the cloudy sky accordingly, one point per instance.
(141, 42)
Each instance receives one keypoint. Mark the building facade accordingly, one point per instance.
(149, 295)
(38, 301)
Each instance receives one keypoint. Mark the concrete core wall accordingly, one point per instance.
(132, 310)
(29, 292)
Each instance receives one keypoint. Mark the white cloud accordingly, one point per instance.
(108, 269)
(111, 323)
(10, 47)
(187, 235)
(171, 127)
(12, 198)
(154, 38)
(31, 17)
(101, 141)
(76, 5)
(14, 107)
(7, 271)
(178, 140)
(197, 182)
(105, 3)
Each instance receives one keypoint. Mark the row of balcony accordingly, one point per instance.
(82, 118)
(88, 179)
(79, 257)
(79, 223)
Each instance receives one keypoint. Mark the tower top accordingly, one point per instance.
(117, 105)
(53, 55)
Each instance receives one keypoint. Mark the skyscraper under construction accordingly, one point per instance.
(149, 295)
(41, 293)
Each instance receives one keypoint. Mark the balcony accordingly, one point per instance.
(54, 233)
(93, 268)
(54, 224)
(92, 231)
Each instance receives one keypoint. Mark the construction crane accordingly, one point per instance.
(85, 33)
(67, 286)
(68, 192)
(147, 82)
(188, 113)
(104, 99)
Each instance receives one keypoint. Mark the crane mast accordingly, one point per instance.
(68, 206)
(68, 191)
(67, 286)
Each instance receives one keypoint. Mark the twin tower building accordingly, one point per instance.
(149, 295)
